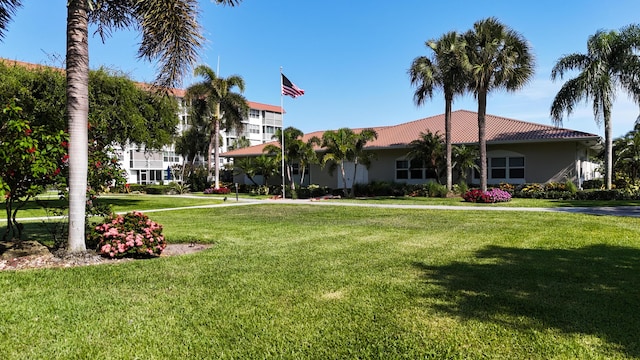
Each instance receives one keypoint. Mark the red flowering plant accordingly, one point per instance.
(220, 190)
(129, 235)
(31, 159)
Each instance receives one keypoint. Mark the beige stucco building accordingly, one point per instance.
(518, 152)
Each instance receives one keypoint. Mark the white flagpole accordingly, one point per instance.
(282, 136)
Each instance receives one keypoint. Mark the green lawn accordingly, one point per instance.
(119, 203)
(324, 282)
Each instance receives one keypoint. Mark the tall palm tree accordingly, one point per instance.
(171, 36)
(499, 58)
(447, 70)
(610, 63)
(222, 107)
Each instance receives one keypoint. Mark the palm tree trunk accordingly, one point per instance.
(344, 179)
(482, 139)
(78, 115)
(216, 150)
(292, 184)
(447, 138)
(608, 157)
(352, 194)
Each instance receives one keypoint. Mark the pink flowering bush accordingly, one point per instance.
(132, 234)
(490, 196)
(220, 190)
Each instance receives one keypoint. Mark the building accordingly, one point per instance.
(518, 152)
(154, 167)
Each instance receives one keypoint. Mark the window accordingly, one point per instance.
(498, 168)
(504, 167)
(402, 169)
(254, 129)
(170, 156)
(516, 168)
(254, 113)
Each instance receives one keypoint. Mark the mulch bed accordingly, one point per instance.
(40, 259)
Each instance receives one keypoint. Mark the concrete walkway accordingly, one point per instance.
(627, 211)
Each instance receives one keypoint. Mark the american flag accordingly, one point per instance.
(290, 89)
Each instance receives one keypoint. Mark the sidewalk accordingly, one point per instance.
(626, 211)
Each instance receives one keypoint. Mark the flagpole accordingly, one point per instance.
(282, 135)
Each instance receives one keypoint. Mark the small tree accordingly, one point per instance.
(428, 151)
(31, 158)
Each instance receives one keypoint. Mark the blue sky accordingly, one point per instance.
(351, 57)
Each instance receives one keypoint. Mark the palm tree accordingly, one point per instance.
(292, 143)
(295, 150)
(465, 159)
(445, 70)
(427, 150)
(344, 145)
(610, 62)
(360, 155)
(626, 154)
(215, 98)
(499, 58)
(171, 36)
(240, 143)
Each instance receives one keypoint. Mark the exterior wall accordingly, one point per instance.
(543, 162)
(546, 162)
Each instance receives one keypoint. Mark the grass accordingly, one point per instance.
(119, 203)
(515, 202)
(324, 282)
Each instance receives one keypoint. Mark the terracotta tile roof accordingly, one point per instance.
(27, 65)
(464, 126)
(267, 107)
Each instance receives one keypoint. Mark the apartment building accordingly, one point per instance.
(154, 167)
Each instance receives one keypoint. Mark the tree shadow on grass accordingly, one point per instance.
(592, 290)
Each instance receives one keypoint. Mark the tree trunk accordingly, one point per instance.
(78, 115)
(355, 169)
(447, 137)
(482, 139)
(344, 179)
(608, 156)
(216, 150)
(292, 184)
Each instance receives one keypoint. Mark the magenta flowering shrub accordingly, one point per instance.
(220, 190)
(490, 196)
(498, 195)
(132, 234)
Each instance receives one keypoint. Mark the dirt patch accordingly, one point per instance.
(25, 260)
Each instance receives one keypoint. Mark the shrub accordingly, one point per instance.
(132, 235)
(156, 189)
(460, 188)
(220, 190)
(476, 196)
(593, 184)
(490, 196)
(436, 190)
(179, 188)
(135, 188)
